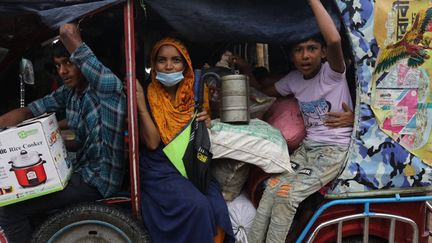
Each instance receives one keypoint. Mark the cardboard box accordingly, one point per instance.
(32, 160)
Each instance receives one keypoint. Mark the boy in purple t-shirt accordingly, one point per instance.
(320, 88)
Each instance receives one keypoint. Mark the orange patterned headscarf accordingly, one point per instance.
(172, 116)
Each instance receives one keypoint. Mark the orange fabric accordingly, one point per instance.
(172, 116)
(220, 235)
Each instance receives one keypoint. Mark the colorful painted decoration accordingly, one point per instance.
(380, 163)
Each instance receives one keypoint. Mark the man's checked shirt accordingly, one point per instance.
(97, 116)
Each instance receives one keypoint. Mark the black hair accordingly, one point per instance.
(59, 50)
(318, 38)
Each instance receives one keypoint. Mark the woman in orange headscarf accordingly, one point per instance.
(173, 209)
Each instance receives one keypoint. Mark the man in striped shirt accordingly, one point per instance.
(95, 105)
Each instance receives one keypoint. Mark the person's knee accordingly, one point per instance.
(3, 216)
(8, 215)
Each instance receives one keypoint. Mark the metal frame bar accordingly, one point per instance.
(429, 217)
(366, 201)
(129, 32)
(340, 221)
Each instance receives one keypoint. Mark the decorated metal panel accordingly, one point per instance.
(388, 154)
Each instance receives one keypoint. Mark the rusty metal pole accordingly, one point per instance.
(129, 34)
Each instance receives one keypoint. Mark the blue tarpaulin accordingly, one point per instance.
(273, 21)
(52, 13)
(25, 23)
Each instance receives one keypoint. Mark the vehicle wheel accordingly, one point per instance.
(91, 222)
(359, 239)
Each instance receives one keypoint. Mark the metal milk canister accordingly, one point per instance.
(235, 99)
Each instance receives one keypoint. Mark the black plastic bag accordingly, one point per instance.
(189, 151)
(197, 157)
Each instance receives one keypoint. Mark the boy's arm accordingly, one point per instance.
(331, 36)
(271, 91)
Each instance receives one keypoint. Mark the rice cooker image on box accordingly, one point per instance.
(28, 168)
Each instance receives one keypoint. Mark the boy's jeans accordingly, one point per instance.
(315, 165)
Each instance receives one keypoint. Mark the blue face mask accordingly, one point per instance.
(169, 79)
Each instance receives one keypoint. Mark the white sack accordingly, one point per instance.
(242, 213)
(256, 143)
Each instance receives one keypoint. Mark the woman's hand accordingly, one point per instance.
(340, 119)
(140, 96)
(240, 63)
(203, 116)
(244, 68)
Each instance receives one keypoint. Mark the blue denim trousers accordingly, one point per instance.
(315, 165)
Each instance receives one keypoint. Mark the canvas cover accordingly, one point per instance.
(276, 21)
(53, 13)
(198, 20)
(25, 23)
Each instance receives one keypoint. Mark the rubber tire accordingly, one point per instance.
(110, 220)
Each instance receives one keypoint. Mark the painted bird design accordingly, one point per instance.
(412, 45)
